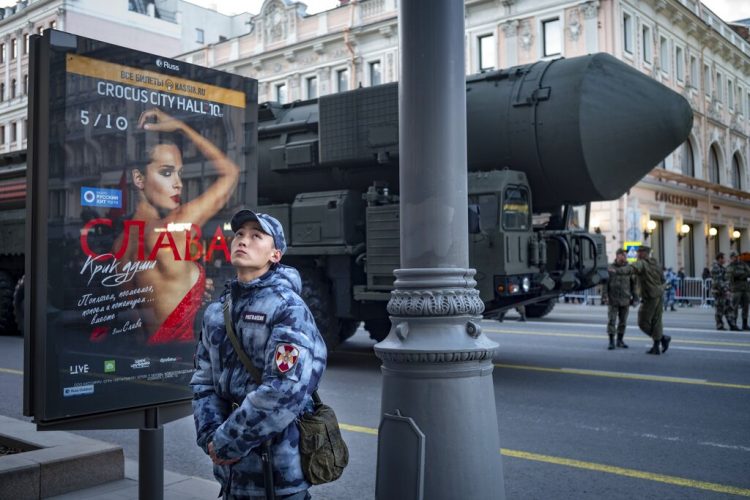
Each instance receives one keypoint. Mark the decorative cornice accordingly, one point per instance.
(510, 28)
(435, 292)
(436, 357)
(435, 303)
(590, 9)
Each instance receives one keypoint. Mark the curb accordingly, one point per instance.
(60, 462)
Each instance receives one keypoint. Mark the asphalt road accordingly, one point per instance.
(576, 421)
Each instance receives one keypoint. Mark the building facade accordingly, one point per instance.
(165, 27)
(691, 206)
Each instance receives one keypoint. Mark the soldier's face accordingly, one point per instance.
(621, 258)
(722, 260)
(252, 248)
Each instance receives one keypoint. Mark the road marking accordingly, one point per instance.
(630, 376)
(11, 371)
(357, 428)
(634, 473)
(609, 469)
(599, 337)
(634, 325)
(708, 349)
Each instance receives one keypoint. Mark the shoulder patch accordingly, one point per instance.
(286, 357)
(254, 317)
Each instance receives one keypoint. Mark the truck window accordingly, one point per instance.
(488, 210)
(577, 217)
(516, 209)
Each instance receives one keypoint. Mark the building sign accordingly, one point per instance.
(152, 157)
(676, 199)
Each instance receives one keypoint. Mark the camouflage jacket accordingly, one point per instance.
(279, 335)
(738, 276)
(649, 274)
(620, 288)
(719, 282)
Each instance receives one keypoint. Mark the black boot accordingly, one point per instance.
(611, 342)
(665, 340)
(733, 327)
(620, 343)
(654, 349)
(745, 326)
(720, 326)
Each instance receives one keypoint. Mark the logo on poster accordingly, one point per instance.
(140, 363)
(100, 197)
(168, 65)
(79, 369)
(79, 390)
(109, 366)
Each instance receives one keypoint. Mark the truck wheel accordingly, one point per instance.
(378, 328)
(7, 321)
(540, 309)
(317, 294)
(18, 296)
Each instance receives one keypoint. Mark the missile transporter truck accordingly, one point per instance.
(544, 141)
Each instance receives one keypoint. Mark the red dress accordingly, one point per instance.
(178, 327)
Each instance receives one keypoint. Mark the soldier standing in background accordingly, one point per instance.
(738, 276)
(619, 292)
(722, 295)
(670, 286)
(651, 286)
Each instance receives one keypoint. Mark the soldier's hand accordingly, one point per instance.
(217, 460)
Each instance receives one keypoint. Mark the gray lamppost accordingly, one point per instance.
(438, 434)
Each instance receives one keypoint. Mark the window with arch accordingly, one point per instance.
(713, 165)
(687, 161)
(736, 172)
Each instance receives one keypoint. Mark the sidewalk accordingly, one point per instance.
(176, 487)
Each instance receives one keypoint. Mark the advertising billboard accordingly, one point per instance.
(138, 163)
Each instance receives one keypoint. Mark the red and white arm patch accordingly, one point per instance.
(286, 357)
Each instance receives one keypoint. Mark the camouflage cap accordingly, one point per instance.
(644, 248)
(270, 225)
(734, 254)
(620, 251)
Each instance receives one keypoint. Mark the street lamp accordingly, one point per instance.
(712, 232)
(735, 235)
(650, 226)
(684, 231)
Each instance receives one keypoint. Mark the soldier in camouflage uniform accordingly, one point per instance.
(619, 292)
(738, 276)
(651, 286)
(234, 415)
(722, 295)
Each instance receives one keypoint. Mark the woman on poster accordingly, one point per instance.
(175, 286)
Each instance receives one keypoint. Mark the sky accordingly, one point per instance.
(728, 10)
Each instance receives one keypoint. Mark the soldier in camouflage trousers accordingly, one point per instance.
(651, 290)
(722, 295)
(620, 294)
(738, 276)
(233, 414)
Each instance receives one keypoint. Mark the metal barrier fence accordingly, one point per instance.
(689, 292)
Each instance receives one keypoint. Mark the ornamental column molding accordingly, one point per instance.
(591, 25)
(19, 52)
(438, 435)
(510, 30)
(6, 60)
